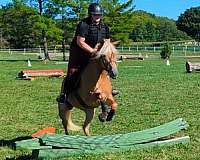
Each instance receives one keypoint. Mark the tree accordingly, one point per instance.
(15, 29)
(118, 16)
(70, 12)
(45, 25)
(189, 22)
(148, 27)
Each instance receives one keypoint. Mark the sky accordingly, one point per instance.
(165, 8)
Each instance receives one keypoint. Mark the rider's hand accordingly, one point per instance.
(94, 51)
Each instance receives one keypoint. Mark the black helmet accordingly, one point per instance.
(95, 8)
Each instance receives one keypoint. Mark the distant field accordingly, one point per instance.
(151, 94)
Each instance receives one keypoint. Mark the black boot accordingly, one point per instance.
(61, 98)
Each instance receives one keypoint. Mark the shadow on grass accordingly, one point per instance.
(11, 144)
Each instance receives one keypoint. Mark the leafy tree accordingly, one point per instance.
(70, 12)
(151, 31)
(118, 16)
(168, 30)
(58, 8)
(148, 27)
(45, 26)
(17, 30)
(189, 22)
(139, 32)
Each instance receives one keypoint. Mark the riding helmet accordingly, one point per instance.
(95, 8)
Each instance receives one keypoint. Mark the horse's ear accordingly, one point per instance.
(115, 42)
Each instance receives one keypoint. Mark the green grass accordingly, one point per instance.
(151, 94)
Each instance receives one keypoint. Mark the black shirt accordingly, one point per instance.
(91, 32)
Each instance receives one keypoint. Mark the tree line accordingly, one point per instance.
(44, 23)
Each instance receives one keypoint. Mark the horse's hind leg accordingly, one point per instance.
(65, 115)
(89, 116)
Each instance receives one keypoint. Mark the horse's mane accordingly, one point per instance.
(107, 47)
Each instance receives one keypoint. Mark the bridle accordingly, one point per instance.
(107, 65)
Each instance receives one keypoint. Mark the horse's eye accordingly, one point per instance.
(103, 56)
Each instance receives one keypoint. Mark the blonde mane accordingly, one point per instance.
(107, 47)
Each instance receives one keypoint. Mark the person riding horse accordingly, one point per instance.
(89, 32)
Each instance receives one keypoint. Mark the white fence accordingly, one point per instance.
(175, 49)
(135, 50)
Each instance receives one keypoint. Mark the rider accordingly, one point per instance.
(89, 32)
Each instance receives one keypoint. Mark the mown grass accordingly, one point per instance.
(151, 94)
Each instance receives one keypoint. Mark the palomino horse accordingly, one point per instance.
(94, 86)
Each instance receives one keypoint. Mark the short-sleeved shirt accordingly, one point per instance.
(91, 32)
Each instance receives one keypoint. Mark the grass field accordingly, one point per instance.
(151, 94)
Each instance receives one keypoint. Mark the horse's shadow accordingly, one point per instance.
(11, 144)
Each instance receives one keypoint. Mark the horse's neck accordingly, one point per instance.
(90, 75)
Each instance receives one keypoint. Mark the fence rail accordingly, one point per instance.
(55, 53)
(135, 49)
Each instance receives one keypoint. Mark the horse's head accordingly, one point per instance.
(107, 57)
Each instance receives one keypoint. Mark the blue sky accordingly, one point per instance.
(165, 8)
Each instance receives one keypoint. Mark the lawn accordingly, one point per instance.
(151, 94)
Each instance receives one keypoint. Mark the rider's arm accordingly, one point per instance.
(81, 43)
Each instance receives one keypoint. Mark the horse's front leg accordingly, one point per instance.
(111, 102)
(89, 116)
(65, 115)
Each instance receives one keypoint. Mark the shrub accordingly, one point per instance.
(166, 51)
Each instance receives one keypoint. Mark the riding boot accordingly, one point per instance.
(68, 84)
(62, 97)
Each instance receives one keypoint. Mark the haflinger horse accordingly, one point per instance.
(93, 87)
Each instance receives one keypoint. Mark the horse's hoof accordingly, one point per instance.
(110, 115)
(103, 116)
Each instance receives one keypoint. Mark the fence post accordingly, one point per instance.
(185, 49)
(24, 51)
(194, 49)
(137, 48)
(40, 50)
(154, 49)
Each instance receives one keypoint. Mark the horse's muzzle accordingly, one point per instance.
(113, 73)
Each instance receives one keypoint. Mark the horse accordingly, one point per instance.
(94, 86)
